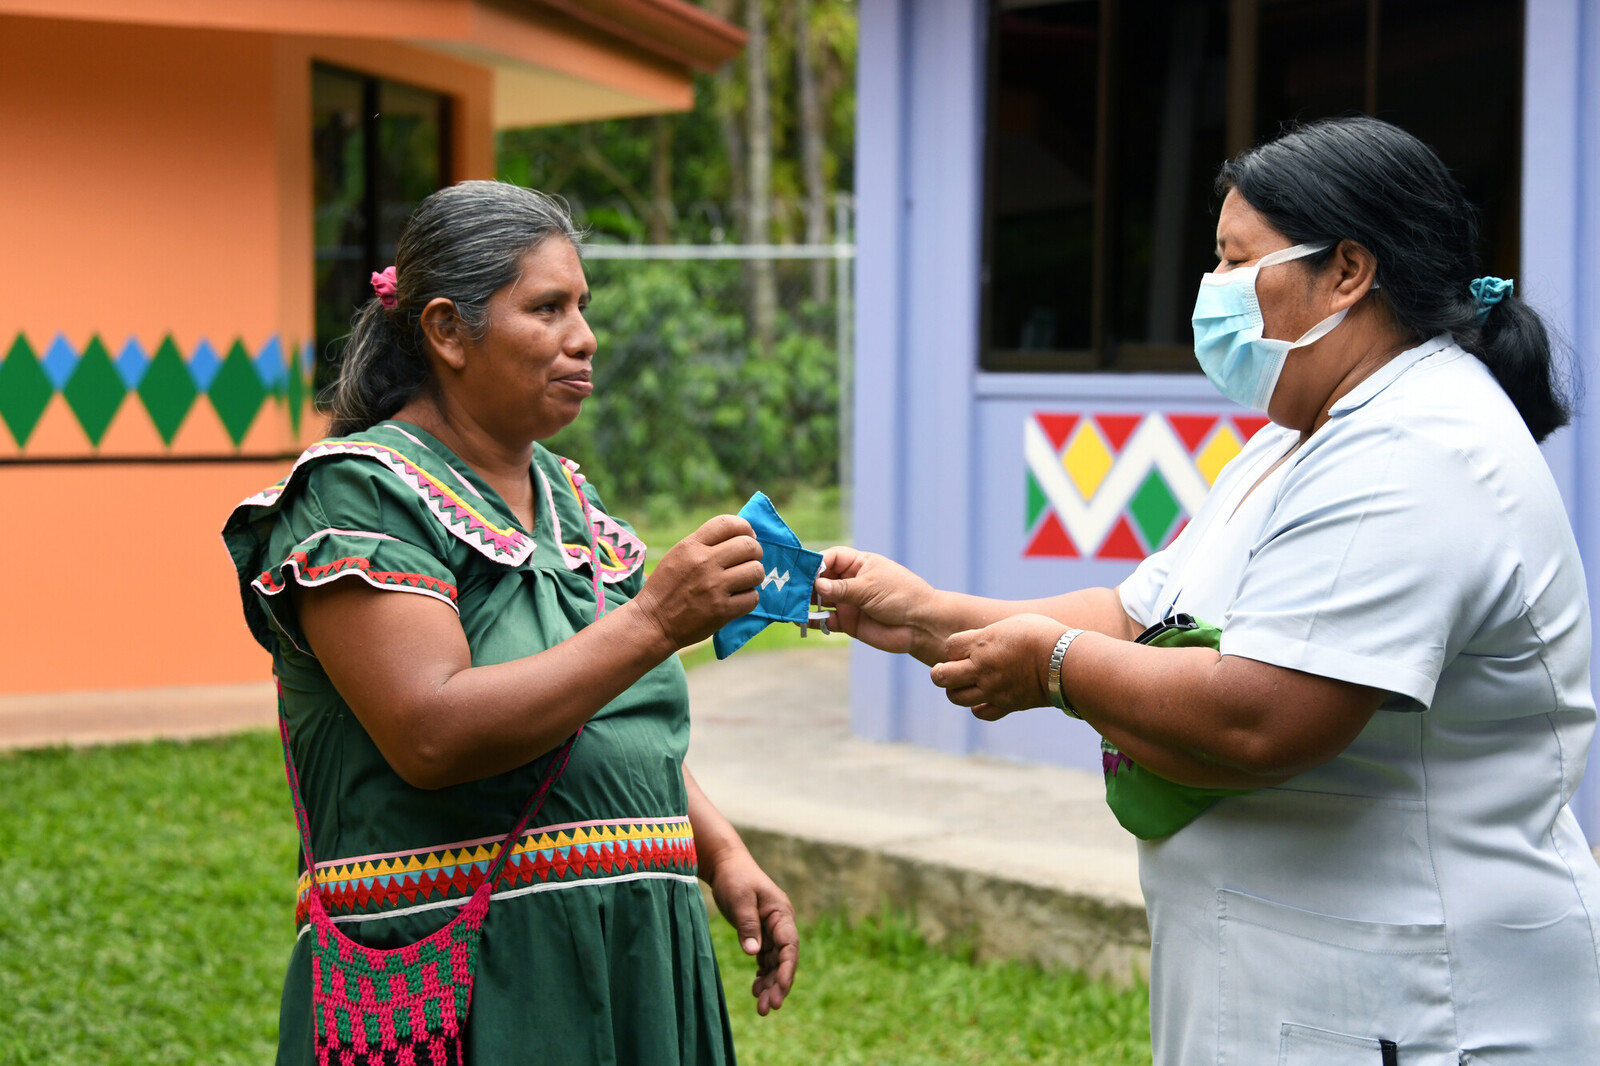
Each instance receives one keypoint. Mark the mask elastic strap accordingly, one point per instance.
(1321, 329)
(1284, 255)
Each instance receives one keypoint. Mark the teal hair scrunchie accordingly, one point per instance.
(1486, 292)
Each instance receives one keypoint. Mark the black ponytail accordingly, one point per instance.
(1365, 180)
(379, 372)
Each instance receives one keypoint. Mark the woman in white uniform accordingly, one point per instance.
(1403, 673)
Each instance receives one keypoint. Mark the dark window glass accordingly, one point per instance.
(1170, 96)
(1108, 120)
(378, 147)
(1043, 174)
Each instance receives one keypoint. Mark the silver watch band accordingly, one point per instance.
(1057, 697)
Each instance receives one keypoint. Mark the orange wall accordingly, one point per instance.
(140, 183)
(152, 181)
(116, 576)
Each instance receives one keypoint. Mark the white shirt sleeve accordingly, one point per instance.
(1141, 590)
(1373, 562)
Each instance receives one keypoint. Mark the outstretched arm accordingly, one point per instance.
(403, 665)
(1190, 714)
(889, 607)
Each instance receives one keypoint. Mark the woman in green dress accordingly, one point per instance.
(420, 724)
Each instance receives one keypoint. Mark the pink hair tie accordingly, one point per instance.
(385, 285)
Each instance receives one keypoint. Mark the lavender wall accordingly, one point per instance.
(940, 477)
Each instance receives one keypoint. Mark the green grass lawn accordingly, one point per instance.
(145, 918)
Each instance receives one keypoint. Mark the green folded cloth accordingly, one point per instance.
(1147, 804)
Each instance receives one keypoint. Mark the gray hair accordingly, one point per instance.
(462, 243)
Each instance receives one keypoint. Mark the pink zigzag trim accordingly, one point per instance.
(500, 543)
(622, 552)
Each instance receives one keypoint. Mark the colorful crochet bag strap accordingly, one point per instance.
(380, 1007)
(1147, 804)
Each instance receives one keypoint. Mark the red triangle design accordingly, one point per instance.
(1051, 542)
(1057, 427)
(1250, 425)
(1121, 544)
(1191, 429)
(1118, 428)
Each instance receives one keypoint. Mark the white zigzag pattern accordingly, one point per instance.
(1088, 522)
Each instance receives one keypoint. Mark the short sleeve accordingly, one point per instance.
(339, 517)
(1141, 590)
(1380, 545)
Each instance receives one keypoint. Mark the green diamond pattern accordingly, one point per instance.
(237, 392)
(25, 390)
(1154, 510)
(95, 390)
(167, 390)
(1037, 501)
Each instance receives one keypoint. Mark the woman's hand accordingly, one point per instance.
(755, 907)
(706, 581)
(1002, 668)
(764, 918)
(876, 599)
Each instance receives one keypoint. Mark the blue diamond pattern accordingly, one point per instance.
(132, 363)
(308, 356)
(59, 361)
(204, 364)
(271, 366)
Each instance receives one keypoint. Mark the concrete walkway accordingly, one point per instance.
(1019, 861)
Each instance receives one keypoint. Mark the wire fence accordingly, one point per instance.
(722, 368)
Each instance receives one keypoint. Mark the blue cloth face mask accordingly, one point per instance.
(1241, 363)
(785, 592)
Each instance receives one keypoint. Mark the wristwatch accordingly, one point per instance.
(1060, 652)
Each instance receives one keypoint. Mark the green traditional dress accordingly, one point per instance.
(596, 948)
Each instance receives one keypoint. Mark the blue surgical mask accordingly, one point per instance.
(1241, 363)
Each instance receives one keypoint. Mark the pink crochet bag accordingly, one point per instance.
(398, 1006)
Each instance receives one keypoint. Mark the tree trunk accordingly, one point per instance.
(725, 93)
(758, 117)
(811, 147)
(662, 214)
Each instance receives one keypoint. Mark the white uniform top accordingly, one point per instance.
(1429, 886)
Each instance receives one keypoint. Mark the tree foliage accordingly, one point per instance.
(690, 400)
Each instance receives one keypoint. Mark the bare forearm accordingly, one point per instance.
(1096, 609)
(1201, 719)
(714, 836)
(485, 720)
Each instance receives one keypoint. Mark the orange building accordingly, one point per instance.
(192, 193)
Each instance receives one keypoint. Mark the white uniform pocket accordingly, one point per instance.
(1301, 1045)
(1296, 987)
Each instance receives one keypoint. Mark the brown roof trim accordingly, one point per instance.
(674, 30)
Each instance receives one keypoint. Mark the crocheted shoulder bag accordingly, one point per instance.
(407, 1006)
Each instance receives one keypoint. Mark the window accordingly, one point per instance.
(378, 147)
(1108, 119)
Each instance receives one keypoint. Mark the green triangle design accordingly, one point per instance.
(95, 390)
(25, 390)
(1037, 501)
